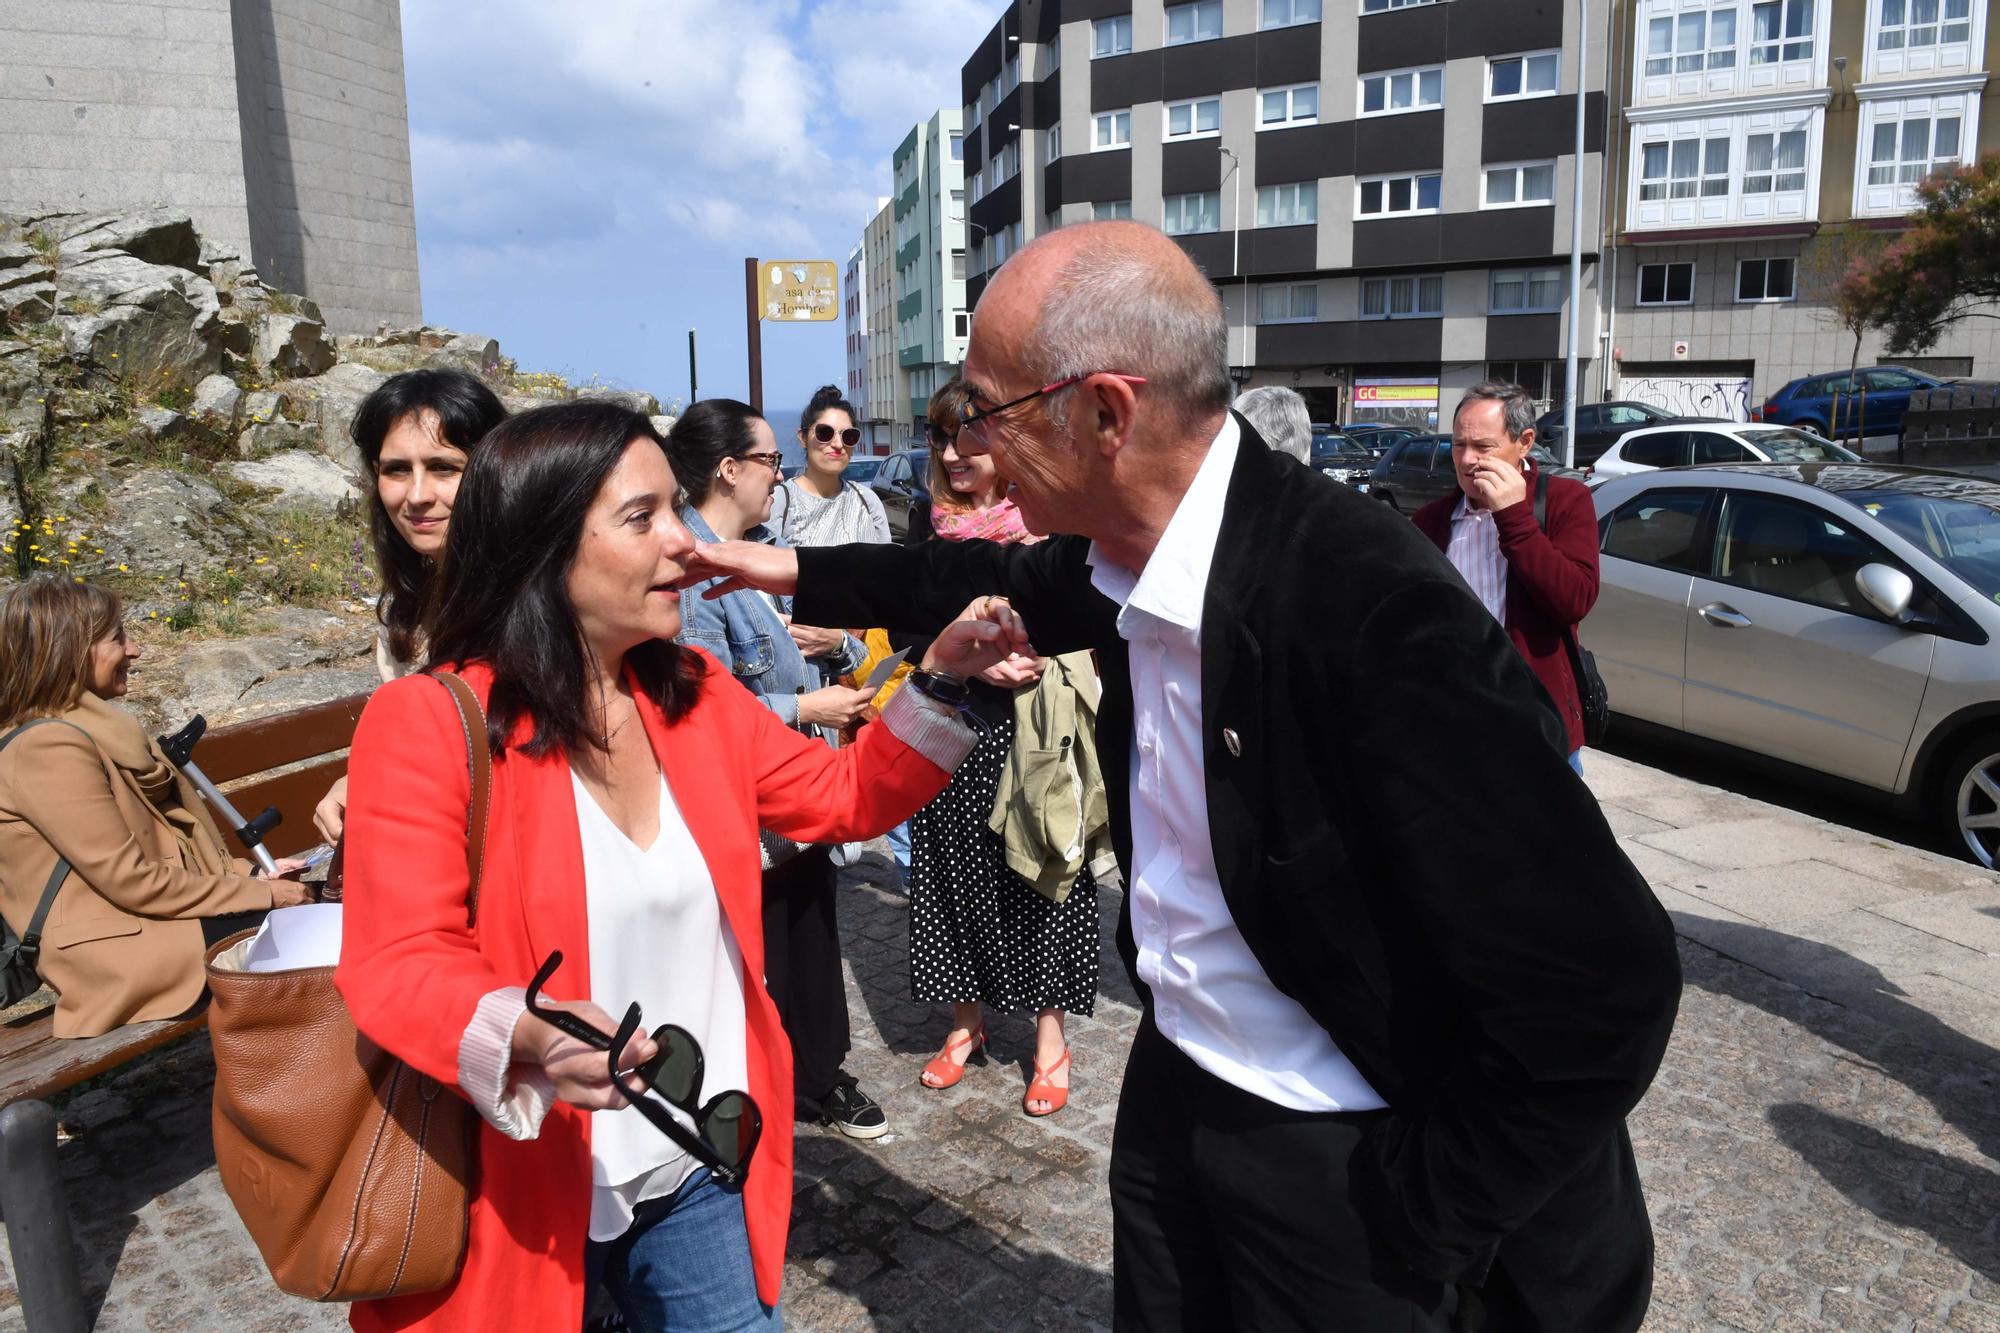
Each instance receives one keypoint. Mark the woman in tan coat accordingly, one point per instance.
(150, 879)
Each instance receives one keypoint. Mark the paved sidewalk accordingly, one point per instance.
(1818, 1150)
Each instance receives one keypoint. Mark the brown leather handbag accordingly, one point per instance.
(350, 1169)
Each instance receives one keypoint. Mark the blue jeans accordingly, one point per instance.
(899, 846)
(684, 1265)
(1576, 761)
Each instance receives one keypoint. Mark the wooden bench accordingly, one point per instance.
(306, 748)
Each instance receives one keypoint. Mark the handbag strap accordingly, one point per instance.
(31, 938)
(479, 764)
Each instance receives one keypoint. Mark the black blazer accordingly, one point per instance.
(1408, 855)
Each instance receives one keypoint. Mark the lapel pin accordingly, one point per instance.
(1232, 742)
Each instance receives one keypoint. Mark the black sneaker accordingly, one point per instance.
(851, 1111)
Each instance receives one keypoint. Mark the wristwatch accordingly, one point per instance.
(950, 691)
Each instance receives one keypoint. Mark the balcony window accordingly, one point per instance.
(1684, 169)
(1111, 210)
(1199, 22)
(1190, 214)
(1111, 37)
(1521, 185)
(1905, 151)
(1690, 43)
(1419, 297)
(1055, 143)
(1288, 303)
(1774, 162)
(1280, 107)
(1666, 284)
(1913, 23)
(1378, 6)
(958, 148)
(1526, 290)
(1201, 119)
(1291, 205)
(1765, 279)
(1509, 78)
(1111, 129)
(1388, 196)
(1285, 13)
(1781, 30)
(1402, 90)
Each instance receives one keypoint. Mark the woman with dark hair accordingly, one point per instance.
(819, 507)
(727, 463)
(630, 777)
(415, 433)
(981, 933)
(145, 881)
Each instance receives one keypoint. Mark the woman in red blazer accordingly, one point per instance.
(630, 777)
(1548, 581)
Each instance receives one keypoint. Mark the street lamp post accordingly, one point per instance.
(1236, 244)
(1575, 247)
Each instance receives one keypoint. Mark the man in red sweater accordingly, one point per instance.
(1538, 584)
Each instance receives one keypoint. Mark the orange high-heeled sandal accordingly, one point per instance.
(1041, 1090)
(947, 1071)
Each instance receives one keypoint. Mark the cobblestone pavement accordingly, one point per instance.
(1819, 1149)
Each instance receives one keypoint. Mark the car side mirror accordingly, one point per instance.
(1887, 590)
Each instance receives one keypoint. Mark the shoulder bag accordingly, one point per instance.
(1591, 695)
(20, 954)
(350, 1169)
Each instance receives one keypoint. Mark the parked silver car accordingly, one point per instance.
(1837, 617)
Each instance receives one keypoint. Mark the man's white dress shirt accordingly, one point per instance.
(1211, 998)
(1474, 551)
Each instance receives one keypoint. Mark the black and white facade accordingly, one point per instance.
(1380, 188)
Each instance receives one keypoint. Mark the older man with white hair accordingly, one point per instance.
(1401, 987)
(1280, 417)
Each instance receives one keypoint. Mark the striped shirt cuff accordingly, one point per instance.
(934, 731)
(513, 1098)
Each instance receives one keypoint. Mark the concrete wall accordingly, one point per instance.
(279, 125)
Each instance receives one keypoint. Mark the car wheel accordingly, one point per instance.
(1970, 797)
(1816, 427)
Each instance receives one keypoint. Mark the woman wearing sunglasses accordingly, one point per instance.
(726, 460)
(630, 777)
(819, 507)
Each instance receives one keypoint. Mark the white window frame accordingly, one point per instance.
(1783, 48)
(1292, 117)
(1193, 108)
(1111, 210)
(1177, 203)
(1774, 174)
(1523, 58)
(1528, 278)
(1702, 182)
(1767, 299)
(1304, 196)
(1909, 27)
(1291, 293)
(1953, 99)
(1705, 52)
(1384, 6)
(956, 146)
(1387, 78)
(1639, 286)
(1293, 9)
(1415, 179)
(1196, 10)
(1119, 26)
(1054, 148)
(1097, 123)
(1414, 283)
(1520, 172)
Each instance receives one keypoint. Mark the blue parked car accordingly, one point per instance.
(1808, 403)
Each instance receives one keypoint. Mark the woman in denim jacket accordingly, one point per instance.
(727, 463)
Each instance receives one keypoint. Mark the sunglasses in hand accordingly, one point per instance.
(726, 1129)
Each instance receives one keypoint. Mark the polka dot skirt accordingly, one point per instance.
(978, 931)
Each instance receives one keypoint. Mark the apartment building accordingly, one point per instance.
(931, 320)
(1381, 189)
(888, 385)
(1761, 145)
(854, 315)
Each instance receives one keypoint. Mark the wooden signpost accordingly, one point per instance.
(785, 291)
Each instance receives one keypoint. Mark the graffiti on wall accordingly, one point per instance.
(1725, 396)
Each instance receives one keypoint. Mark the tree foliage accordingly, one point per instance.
(1942, 269)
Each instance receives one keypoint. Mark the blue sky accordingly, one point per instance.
(590, 177)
